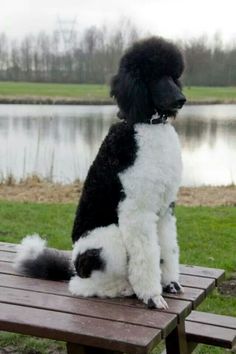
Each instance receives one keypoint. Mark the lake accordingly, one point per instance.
(60, 142)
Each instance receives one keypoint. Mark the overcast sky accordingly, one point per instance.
(169, 18)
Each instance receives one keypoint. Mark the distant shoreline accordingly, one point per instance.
(97, 94)
(34, 100)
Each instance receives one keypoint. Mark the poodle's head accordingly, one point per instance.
(147, 81)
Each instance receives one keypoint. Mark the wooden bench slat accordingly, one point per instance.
(90, 308)
(6, 256)
(34, 284)
(78, 329)
(180, 307)
(205, 272)
(7, 268)
(208, 334)
(187, 281)
(196, 296)
(61, 288)
(207, 284)
(10, 247)
(213, 319)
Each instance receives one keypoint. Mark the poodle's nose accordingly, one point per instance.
(166, 94)
(179, 103)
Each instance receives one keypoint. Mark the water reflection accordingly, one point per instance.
(60, 142)
(207, 135)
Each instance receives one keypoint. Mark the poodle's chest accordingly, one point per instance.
(156, 171)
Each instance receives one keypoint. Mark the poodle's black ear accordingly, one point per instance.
(132, 97)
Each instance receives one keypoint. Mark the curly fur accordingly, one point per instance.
(124, 232)
(144, 62)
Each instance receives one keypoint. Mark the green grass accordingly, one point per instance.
(206, 236)
(82, 91)
(89, 92)
(198, 93)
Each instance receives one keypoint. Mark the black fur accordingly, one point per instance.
(102, 189)
(172, 208)
(50, 264)
(89, 261)
(172, 288)
(145, 62)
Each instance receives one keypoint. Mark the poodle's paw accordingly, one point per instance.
(157, 302)
(173, 288)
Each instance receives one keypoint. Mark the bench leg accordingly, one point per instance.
(73, 348)
(176, 342)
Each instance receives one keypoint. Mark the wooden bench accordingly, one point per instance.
(46, 309)
(208, 328)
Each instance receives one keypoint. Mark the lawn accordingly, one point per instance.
(88, 92)
(83, 91)
(206, 235)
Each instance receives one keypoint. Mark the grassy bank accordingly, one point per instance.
(10, 91)
(206, 235)
(54, 90)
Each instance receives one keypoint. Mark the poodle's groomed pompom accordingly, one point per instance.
(31, 247)
(152, 58)
(34, 259)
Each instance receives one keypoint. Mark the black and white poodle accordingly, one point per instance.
(124, 231)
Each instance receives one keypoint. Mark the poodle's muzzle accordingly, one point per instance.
(167, 96)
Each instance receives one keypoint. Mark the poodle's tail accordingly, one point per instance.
(36, 260)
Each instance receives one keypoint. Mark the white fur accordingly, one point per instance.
(150, 185)
(169, 248)
(30, 248)
(112, 281)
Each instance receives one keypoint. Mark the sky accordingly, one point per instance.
(174, 19)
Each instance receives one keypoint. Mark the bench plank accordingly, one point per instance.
(217, 274)
(207, 284)
(78, 329)
(6, 256)
(187, 281)
(196, 296)
(10, 247)
(205, 272)
(213, 319)
(90, 308)
(7, 268)
(207, 334)
(178, 307)
(61, 288)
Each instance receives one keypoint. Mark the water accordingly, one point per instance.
(60, 142)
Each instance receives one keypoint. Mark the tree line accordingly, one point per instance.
(93, 56)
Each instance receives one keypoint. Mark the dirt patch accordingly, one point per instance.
(207, 196)
(35, 190)
(228, 287)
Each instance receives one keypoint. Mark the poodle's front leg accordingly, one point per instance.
(169, 251)
(138, 230)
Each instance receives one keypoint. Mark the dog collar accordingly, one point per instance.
(156, 119)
